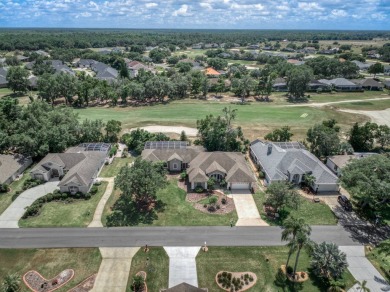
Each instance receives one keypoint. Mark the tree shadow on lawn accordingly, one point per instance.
(127, 214)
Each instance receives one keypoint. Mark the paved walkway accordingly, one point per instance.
(114, 269)
(97, 217)
(247, 212)
(361, 268)
(182, 265)
(120, 150)
(11, 216)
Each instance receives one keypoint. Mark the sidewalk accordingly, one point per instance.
(97, 217)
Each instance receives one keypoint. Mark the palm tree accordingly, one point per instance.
(11, 283)
(291, 226)
(362, 286)
(309, 180)
(301, 240)
(328, 261)
(335, 286)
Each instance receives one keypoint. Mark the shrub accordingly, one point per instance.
(261, 175)
(4, 188)
(218, 206)
(94, 190)
(289, 270)
(211, 209)
(87, 196)
(199, 189)
(223, 201)
(183, 175)
(205, 205)
(64, 196)
(213, 200)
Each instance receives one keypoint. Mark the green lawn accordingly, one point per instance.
(256, 119)
(112, 169)
(179, 212)
(313, 213)
(380, 260)
(6, 198)
(50, 262)
(339, 96)
(157, 269)
(61, 214)
(254, 259)
(366, 105)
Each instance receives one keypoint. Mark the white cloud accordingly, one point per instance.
(206, 5)
(309, 6)
(182, 11)
(151, 5)
(339, 13)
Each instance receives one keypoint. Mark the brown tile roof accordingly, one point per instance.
(212, 71)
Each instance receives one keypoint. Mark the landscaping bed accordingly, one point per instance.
(85, 285)
(37, 283)
(240, 281)
(217, 203)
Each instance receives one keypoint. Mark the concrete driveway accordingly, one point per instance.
(11, 216)
(247, 212)
(362, 269)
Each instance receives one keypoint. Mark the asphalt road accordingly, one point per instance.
(161, 236)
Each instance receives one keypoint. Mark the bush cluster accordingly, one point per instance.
(30, 183)
(36, 207)
(199, 190)
(226, 280)
(4, 188)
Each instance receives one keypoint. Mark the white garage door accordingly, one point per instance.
(240, 186)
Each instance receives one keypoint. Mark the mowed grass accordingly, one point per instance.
(313, 213)
(79, 213)
(254, 259)
(366, 105)
(380, 260)
(157, 269)
(6, 198)
(256, 119)
(341, 96)
(177, 211)
(113, 169)
(50, 262)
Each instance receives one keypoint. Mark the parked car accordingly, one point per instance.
(344, 202)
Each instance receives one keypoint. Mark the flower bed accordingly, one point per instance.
(223, 204)
(85, 285)
(37, 283)
(238, 281)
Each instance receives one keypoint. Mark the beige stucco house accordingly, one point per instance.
(77, 168)
(11, 166)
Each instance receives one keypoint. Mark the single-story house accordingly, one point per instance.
(362, 66)
(290, 161)
(211, 72)
(3, 77)
(316, 85)
(253, 47)
(387, 84)
(280, 84)
(77, 168)
(342, 84)
(11, 166)
(200, 165)
(60, 67)
(369, 84)
(42, 53)
(337, 162)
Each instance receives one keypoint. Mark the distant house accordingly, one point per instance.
(211, 46)
(77, 167)
(135, 66)
(3, 77)
(212, 73)
(290, 161)
(386, 84)
(200, 165)
(295, 62)
(308, 50)
(337, 162)
(109, 74)
(328, 52)
(60, 67)
(362, 66)
(103, 71)
(342, 84)
(316, 85)
(33, 82)
(42, 53)
(280, 85)
(386, 70)
(22, 58)
(253, 47)
(267, 48)
(197, 46)
(369, 84)
(11, 166)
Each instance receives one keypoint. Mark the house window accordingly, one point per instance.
(175, 166)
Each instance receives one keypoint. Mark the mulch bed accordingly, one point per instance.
(37, 283)
(86, 285)
(299, 276)
(224, 208)
(143, 275)
(238, 275)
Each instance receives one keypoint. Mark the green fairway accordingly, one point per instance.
(79, 213)
(366, 105)
(339, 96)
(177, 211)
(50, 262)
(263, 261)
(313, 213)
(256, 119)
(157, 269)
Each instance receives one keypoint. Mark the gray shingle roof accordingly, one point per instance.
(3, 76)
(186, 154)
(9, 165)
(278, 162)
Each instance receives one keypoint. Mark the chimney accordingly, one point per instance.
(269, 151)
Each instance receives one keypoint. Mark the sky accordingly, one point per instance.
(203, 14)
